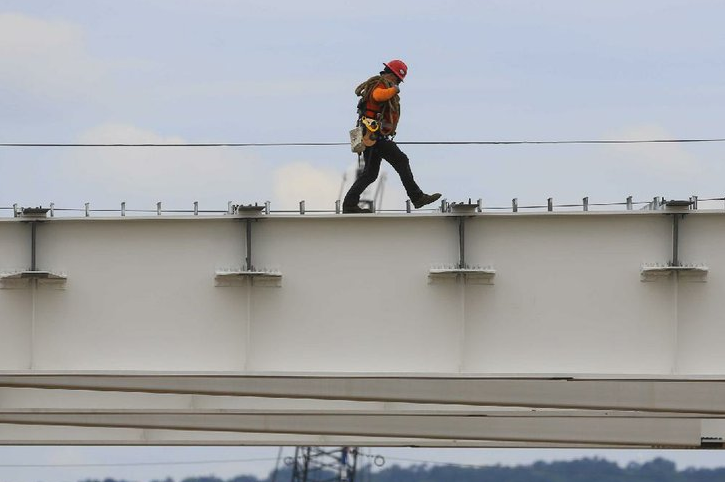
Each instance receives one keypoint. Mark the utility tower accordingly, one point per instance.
(318, 464)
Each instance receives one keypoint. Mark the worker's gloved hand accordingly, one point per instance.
(397, 88)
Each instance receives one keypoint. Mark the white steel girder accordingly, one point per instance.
(541, 293)
(36, 434)
(368, 330)
(621, 430)
(299, 410)
(703, 395)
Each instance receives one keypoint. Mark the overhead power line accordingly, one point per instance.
(190, 144)
(433, 462)
(328, 144)
(137, 464)
(204, 462)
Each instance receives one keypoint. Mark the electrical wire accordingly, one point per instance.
(329, 144)
(579, 141)
(138, 464)
(450, 464)
(190, 144)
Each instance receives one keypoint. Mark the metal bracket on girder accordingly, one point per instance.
(462, 271)
(23, 279)
(473, 275)
(654, 272)
(686, 272)
(16, 279)
(249, 209)
(712, 443)
(239, 277)
(248, 273)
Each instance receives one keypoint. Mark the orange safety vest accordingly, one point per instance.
(383, 104)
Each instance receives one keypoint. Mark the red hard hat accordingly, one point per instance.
(398, 67)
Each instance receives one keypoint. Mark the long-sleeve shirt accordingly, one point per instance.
(375, 104)
(382, 94)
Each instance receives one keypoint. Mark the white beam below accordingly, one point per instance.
(668, 432)
(687, 395)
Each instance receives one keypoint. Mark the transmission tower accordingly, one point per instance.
(315, 464)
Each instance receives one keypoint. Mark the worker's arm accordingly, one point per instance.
(381, 94)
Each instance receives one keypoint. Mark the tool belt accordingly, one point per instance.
(371, 131)
(366, 134)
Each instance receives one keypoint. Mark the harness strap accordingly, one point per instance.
(379, 111)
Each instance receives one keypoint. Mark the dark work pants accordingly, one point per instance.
(388, 150)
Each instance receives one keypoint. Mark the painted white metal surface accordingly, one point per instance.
(687, 395)
(637, 431)
(17, 434)
(144, 326)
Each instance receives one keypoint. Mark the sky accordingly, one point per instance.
(75, 464)
(259, 71)
(162, 71)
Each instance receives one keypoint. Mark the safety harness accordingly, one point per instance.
(373, 114)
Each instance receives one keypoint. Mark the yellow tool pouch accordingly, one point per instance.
(372, 127)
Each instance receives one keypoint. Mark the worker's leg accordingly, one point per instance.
(397, 158)
(369, 173)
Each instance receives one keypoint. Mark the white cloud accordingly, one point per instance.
(298, 181)
(670, 161)
(320, 187)
(46, 58)
(176, 176)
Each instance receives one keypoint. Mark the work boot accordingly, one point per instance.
(425, 199)
(355, 209)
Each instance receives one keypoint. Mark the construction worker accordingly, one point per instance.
(379, 111)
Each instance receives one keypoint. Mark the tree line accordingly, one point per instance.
(582, 470)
